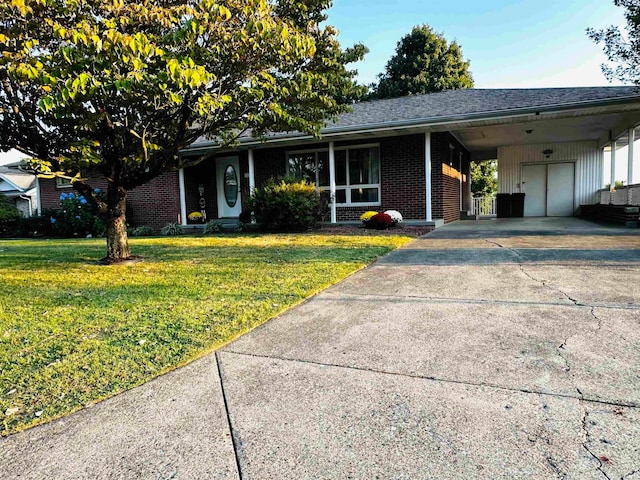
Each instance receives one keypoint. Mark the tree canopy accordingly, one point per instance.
(622, 48)
(117, 88)
(424, 62)
(484, 178)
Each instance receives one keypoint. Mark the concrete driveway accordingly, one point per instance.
(488, 349)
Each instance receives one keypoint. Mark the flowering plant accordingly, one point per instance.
(395, 215)
(76, 217)
(195, 217)
(379, 221)
(367, 215)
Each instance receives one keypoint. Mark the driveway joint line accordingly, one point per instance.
(228, 415)
(486, 301)
(434, 379)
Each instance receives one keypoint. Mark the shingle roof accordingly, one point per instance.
(466, 103)
(474, 102)
(23, 180)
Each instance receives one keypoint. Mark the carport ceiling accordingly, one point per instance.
(593, 127)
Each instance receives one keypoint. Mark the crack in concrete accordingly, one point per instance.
(556, 468)
(630, 474)
(537, 280)
(587, 439)
(429, 298)
(560, 350)
(434, 379)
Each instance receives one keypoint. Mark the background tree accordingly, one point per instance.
(424, 62)
(484, 178)
(117, 88)
(622, 49)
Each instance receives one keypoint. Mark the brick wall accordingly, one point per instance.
(447, 172)
(154, 204)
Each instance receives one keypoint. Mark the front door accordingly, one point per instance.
(228, 186)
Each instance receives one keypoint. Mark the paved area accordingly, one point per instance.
(488, 349)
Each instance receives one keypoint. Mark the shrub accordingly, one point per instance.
(380, 221)
(8, 210)
(142, 231)
(395, 215)
(212, 226)
(287, 205)
(172, 229)
(75, 217)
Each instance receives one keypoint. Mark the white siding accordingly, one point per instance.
(586, 155)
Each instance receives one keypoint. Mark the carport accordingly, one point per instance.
(560, 155)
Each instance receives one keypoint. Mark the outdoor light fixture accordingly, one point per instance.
(529, 132)
(547, 153)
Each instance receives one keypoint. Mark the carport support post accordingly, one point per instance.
(612, 185)
(332, 182)
(427, 173)
(632, 138)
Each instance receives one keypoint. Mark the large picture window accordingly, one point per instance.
(357, 172)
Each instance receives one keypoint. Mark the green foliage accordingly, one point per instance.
(117, 88)
(622, 49)
(8, 210)
(81, 332)
(424, 62)
(287, 205)
(172, 229)
(142, 231)
(212, 226)
(75, 217)
(484, 178)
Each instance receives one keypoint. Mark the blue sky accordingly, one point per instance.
(522, 43)
(510, 43)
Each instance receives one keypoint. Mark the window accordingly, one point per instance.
(357, 172)
(63, 183)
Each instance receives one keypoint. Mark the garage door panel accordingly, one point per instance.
(560, 186)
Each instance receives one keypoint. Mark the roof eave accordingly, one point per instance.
(426, 122)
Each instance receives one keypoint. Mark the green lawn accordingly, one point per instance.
(73, 332)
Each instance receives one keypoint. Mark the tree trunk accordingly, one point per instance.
(117, 241)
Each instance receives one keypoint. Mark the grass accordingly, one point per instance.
(73, 332)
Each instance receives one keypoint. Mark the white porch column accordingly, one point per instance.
(632, 137)
(252, 172)
(427, 173)
(38, 196)
(612, 184)
(332, 182)
(183, 198)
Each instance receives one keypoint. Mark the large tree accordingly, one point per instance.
(424, 62)
(484, 178)
(622, 48)
(117, 88)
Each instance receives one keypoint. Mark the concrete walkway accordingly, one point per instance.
(489, 349)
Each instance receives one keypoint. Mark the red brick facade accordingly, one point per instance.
(402, 182)
(154, 204)
(450, 176)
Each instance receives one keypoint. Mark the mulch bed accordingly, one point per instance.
(408, 230)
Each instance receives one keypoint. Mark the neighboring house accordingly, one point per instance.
(20, 187)
(412, 154)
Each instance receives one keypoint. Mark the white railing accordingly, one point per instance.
(484, 206)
